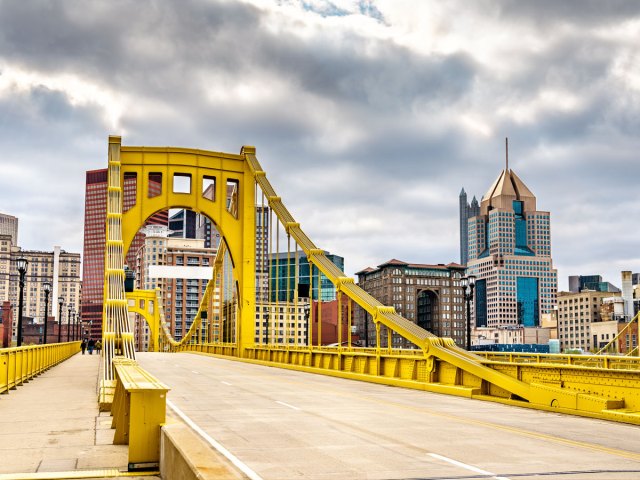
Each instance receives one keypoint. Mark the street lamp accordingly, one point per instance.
(22, 270)
(69, 310)
(60, 304)
(307, 311)
(468, 283)
(47, 291)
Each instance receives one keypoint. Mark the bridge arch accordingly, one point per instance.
(220, 186)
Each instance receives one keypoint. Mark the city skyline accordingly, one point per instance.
(412, 99)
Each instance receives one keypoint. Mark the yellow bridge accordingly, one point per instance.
(252, 315)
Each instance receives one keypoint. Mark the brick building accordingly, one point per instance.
(429, 295)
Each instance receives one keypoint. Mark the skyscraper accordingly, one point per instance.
(467, 211)
(95, 215)
(510, 255)
(182, 224)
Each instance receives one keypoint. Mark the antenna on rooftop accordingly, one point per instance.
(506, 146)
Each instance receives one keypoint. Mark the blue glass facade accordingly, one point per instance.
(528, 302)
(282, 279)
(481, 303)
(521, 230)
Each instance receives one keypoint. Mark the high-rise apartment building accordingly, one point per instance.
(183, 293)
(467, 211)
(151, 252)
(429, 295)
(95, 214)
(510, 255)
(181, 269)
(9, 226)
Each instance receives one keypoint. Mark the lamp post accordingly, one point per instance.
(307, 311)
(47, 291)
(60, 304)
(78, 326)
(22, 270)
(69, 310)
(469, 283)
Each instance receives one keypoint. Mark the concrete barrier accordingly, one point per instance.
(184, 455)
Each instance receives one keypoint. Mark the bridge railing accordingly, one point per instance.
(20, 364)
(618, 362)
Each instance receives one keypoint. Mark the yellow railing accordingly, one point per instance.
(20, 364)
(616, 362)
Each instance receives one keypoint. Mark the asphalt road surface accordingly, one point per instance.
(282, 424)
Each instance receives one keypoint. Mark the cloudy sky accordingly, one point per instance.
(368, 116)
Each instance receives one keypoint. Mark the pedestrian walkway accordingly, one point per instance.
(52, 424)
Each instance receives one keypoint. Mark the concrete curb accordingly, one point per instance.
(184, 455)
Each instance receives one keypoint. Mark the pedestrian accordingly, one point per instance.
(92, 343)
(83, 345)
(98, 346)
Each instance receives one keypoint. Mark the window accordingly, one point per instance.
(209, 188)
(155, 185)
(181, 183)
(233, 187)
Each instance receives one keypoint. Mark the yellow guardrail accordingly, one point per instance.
(139, 410)
(619, 362)
(20, 364)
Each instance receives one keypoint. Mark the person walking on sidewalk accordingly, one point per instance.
(98, 346)
(92, 343)
(83, 345)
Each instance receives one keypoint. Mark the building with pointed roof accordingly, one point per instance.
(509, 252)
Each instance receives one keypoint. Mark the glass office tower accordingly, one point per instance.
(510, 255)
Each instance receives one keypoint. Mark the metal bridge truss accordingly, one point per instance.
(257, 309)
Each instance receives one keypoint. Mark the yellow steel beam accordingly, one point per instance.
(437, 364)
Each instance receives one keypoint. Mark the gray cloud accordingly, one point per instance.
(586, 13)
(362, 133)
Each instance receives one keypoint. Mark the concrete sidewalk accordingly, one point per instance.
(52, 423)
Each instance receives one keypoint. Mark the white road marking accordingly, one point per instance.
(226, 383)
(193, 371)
(287, 405)
(467, 467)
(231, 457)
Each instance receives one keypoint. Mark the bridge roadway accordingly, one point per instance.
(284, 424)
